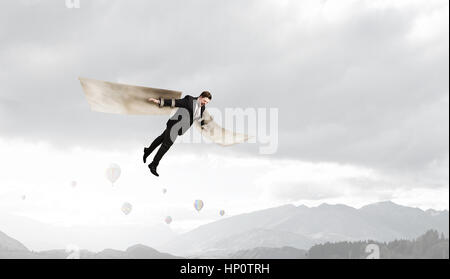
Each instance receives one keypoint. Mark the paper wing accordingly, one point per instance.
(110, 97)
(217, 134)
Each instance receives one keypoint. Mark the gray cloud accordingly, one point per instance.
(293, 192)
(354, 90)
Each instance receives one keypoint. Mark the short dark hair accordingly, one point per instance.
(206, 94)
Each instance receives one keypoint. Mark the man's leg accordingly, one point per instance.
(155, 143)
(167, 142)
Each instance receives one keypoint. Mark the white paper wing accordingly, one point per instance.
(217, 134)
(110, 97)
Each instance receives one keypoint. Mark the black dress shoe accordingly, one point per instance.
(152, 168)
(146, 154)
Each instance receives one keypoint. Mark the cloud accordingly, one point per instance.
(229, 180)
(355, 74)
(357, 83)
(314, 183)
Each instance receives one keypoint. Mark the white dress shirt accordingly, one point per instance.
(197, 110)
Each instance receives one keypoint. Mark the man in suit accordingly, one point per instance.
(190, 109)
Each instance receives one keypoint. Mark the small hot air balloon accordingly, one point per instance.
(168, 220)
(164, 191)
(113, 173)
(73, 184)
(126, 208)
(222, 212)
(198, 205)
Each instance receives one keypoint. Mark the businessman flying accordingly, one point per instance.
(190, 109)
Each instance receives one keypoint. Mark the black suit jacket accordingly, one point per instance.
(184, 116)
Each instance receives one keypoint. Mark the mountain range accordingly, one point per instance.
(272, 232)
(302, 227)
(13, 249)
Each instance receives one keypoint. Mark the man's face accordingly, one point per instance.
(204, 101)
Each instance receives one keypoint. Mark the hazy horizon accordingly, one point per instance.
(164, 233)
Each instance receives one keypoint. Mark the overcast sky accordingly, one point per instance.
(361, 87)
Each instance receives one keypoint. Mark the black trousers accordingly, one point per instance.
(166, 141)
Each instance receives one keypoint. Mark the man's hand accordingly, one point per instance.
(153, 100)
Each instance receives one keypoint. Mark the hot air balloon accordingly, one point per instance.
(113, 173)
(126, 208)
(168, 220)
(198, 205)
(222, 212)
(164, 191)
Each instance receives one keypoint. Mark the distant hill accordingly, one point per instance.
(298, 228)
(13, 249)
(90, 237)
(9, 244)
(144, 252)
(302, 227)
(431, 245)
(270, 253)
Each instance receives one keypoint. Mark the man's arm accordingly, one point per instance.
(179, 103)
